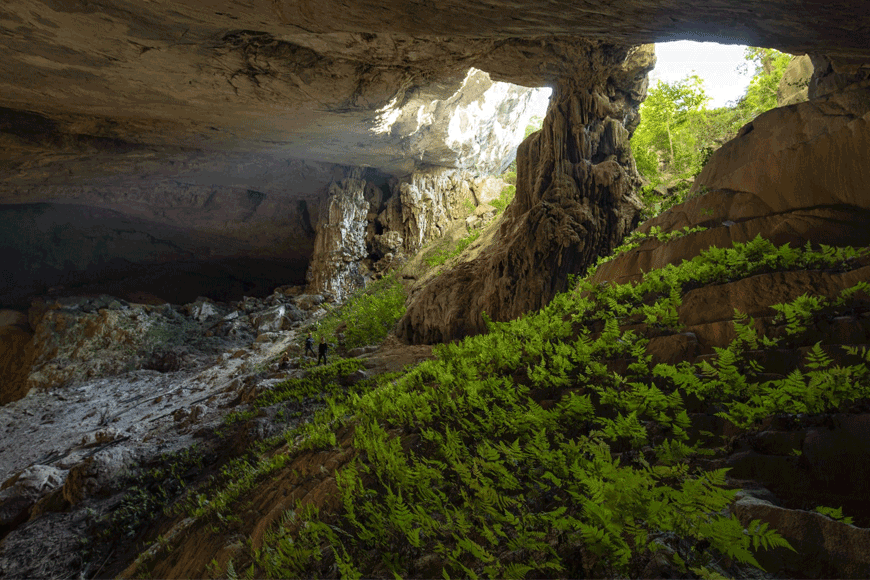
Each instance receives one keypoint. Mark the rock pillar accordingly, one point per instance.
(340, 244)
(575, 201)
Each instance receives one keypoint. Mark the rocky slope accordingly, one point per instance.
(785, 465)
(117, 388)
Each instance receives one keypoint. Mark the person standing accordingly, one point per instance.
(309, 345)
(322, 350)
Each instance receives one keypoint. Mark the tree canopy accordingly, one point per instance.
(678, 132)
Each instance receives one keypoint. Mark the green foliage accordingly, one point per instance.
(153, 487)
(239, 416)
(460, 463)
(439, 258)
(635, 238)
(535, 124)
(369, 315)
(667, 118)
(834, 513)
(318, 382)
(506, 197)
(678, 134)
(236, 478)
(655, 201)
(769, 65)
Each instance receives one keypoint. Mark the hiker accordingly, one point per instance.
(322, 350)
(309, 345)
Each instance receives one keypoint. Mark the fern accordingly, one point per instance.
(834, 513)
(500, 456)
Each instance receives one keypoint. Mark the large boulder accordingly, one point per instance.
(20, 492)
(824, 548)
(801, 156)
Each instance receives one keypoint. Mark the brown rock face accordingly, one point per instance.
(794, 86)
(804, 155)
(794, 175)
(15, 360)
(575, 200)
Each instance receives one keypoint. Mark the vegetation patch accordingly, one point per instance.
(367, 316)
(522, 452)
(506, 197)
(635, 238)
(678, 133)
(440, 257)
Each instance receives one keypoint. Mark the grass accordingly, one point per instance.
(506, 197)
(367, 316)
(440, 257)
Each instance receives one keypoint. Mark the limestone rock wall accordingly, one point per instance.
(340, 245)
(471, 123)
(432, 199)
(367, 223)
(575, 200)
(794, 86)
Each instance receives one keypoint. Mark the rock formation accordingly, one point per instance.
(368, 223)
(341, 236)
(197, 118)
(794, 175)
(800, 156)
(795, 83)
(575, 200)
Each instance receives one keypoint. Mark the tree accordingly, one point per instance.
(769, 66)
(665, 130)
(677, 133)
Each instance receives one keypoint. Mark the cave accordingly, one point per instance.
(202, 142)
(224, 166)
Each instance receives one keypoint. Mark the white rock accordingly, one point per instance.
(202, 311)
(36, 481)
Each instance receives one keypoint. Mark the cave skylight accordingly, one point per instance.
(717, 64)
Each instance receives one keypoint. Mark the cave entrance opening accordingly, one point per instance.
(701, 95)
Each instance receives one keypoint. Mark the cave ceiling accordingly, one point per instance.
(99, 91)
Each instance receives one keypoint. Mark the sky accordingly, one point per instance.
(715, 63)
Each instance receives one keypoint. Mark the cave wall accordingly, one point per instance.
(173, 239)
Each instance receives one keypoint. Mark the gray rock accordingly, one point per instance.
(387, 243)
(825, 548)
(35, 482)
